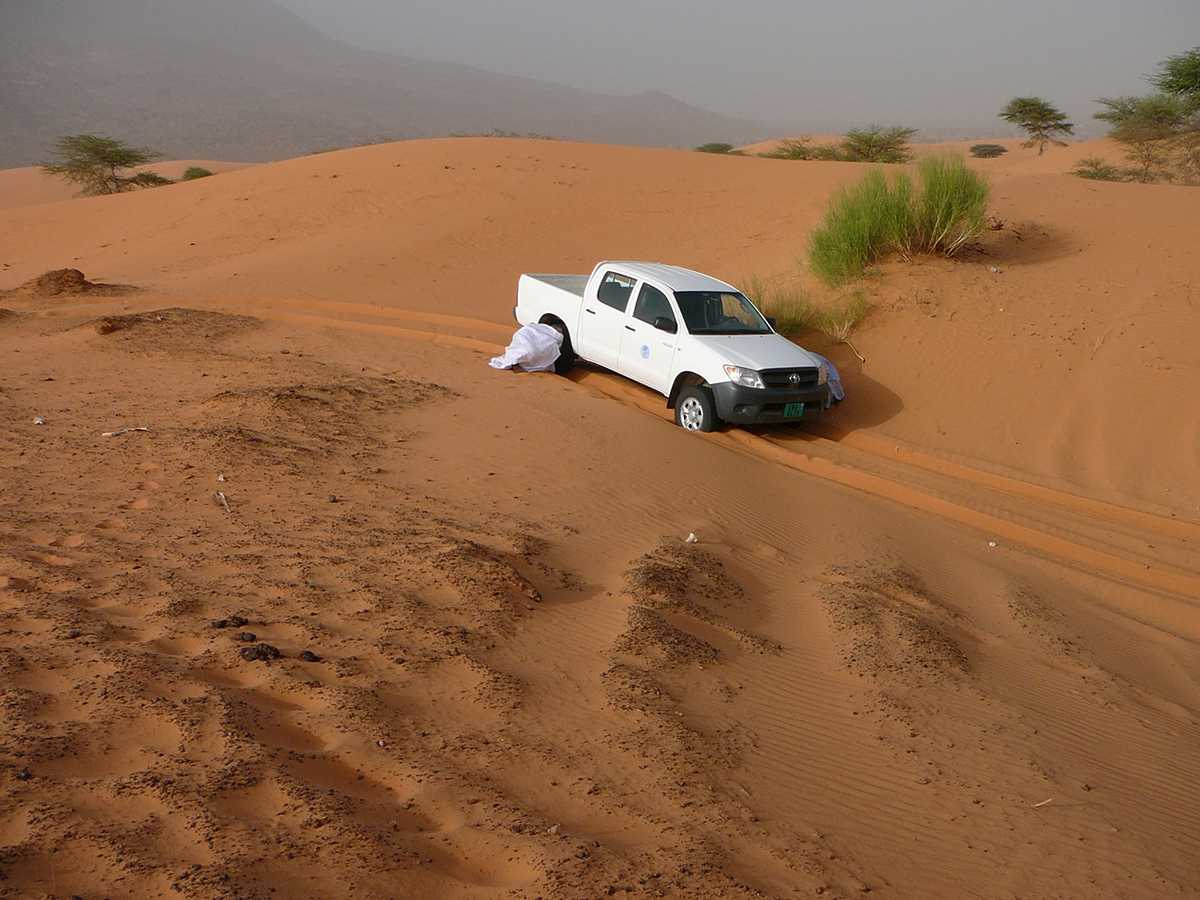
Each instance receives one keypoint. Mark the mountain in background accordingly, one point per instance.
(249, 80)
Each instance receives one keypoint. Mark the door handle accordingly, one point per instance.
(591, 312)
(630, 328)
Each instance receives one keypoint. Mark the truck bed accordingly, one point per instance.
(574, 284)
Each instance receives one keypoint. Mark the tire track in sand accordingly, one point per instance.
(1157, 577)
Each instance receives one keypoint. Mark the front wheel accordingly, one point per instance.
(695, 410)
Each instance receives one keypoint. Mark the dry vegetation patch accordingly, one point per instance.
(67, 282)
(171, 327)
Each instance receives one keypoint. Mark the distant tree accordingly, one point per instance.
(1180, 75)
(195, 172)
(988, 151)
(1150, 128)
(1041, 120)
(100, 165)
(715, 147)
(877, 145)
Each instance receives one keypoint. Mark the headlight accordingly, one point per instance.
(822, 374)
(744, 377)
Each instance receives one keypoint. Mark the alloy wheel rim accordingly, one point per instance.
(691, 414)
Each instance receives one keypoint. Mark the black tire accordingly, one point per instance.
(566, 353)
(695, 409)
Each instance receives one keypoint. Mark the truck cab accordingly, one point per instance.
(698, 341)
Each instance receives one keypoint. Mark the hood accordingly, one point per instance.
(756, 351)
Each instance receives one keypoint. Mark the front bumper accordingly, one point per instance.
(740, 405)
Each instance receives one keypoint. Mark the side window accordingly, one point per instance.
(615, 290)
(652, 304)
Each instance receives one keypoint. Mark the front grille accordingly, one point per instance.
(782, 378)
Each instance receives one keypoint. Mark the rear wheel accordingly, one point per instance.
(695, 410)
(566, 353)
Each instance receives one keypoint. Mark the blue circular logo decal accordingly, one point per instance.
(645, 351)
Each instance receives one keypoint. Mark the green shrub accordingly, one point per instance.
(874, 144)
(988, 151)
(715, 148)
(877, 145)
(793, 148)
(878, 216)
(196, 172)
(1094, 168)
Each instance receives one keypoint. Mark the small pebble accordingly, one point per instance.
(309, 656)
(248, 636)
(24, 775)
(333, 498)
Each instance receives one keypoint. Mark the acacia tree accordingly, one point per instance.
(1150, 129)
(1179, 76)
(101, 165)
(1039, 119)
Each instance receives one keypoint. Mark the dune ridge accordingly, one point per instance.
(940, 645)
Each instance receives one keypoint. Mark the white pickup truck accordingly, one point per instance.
(696, 340)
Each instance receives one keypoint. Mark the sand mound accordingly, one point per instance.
(173, 326)
(68, 282)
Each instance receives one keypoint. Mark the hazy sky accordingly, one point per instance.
(936, 64)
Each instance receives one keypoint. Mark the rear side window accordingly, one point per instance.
(652, 304)
(615, 290)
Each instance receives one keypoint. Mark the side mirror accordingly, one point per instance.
(773, 323)
(662, 323)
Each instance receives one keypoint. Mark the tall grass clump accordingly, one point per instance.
(951, 208)
(941, 213)
(863, 221)
(795, 312)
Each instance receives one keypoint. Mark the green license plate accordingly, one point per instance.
(793, 410)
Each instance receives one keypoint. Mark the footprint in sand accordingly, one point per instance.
(144, 487)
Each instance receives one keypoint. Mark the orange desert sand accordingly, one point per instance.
(944, 644)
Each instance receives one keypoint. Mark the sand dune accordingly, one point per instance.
(31, 186)
(941, 645)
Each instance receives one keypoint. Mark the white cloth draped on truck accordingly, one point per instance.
(534, 348)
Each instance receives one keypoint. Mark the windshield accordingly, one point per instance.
(720, 312)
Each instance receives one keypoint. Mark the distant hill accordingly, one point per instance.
(247, 79)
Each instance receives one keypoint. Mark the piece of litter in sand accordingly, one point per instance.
(39, 420)
(121, 431)
(223, 500)
(1043, 803)
(691, 539)
(991, 543)
(221, 479)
